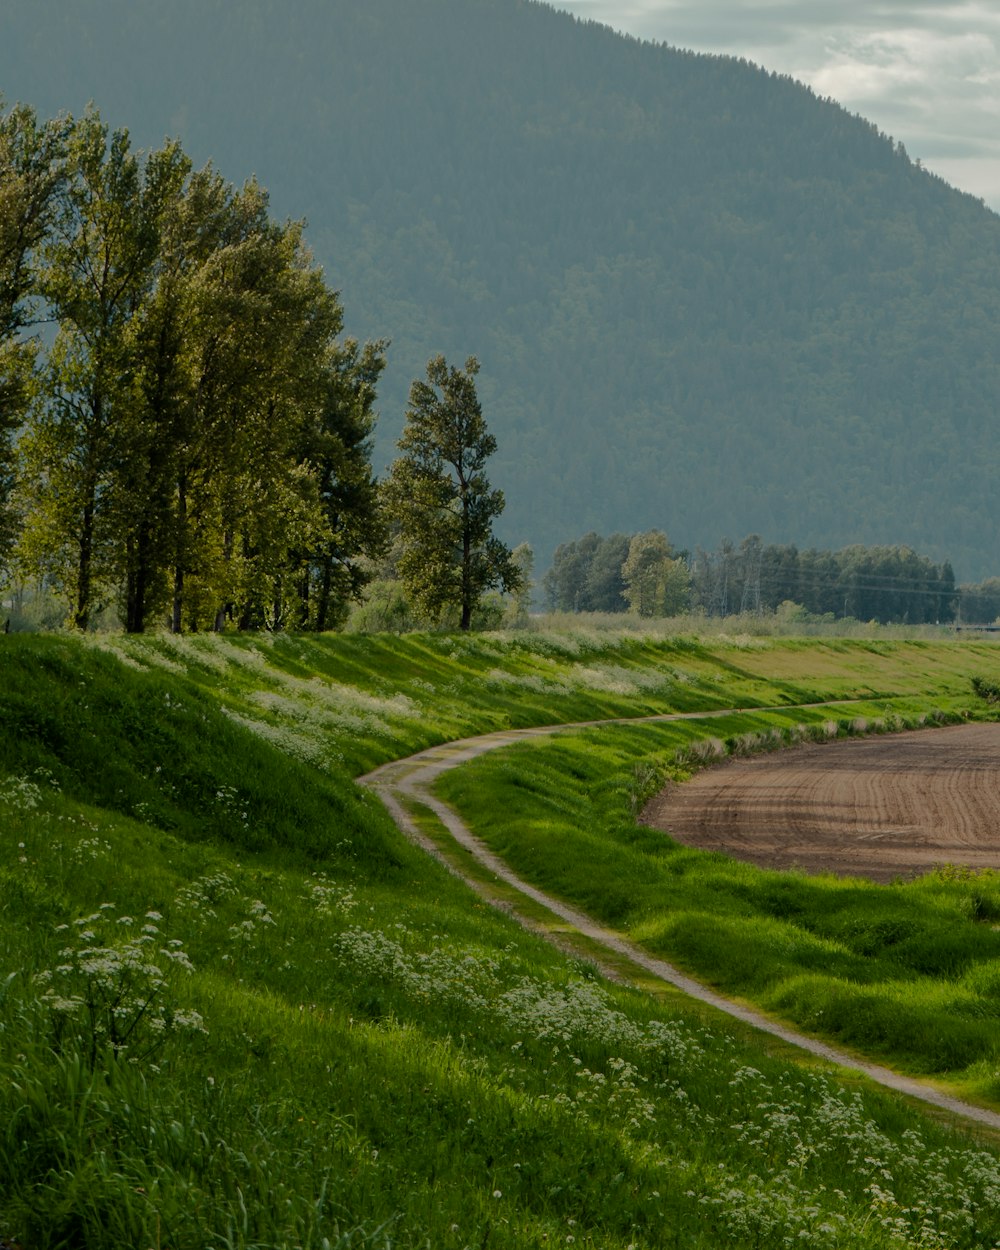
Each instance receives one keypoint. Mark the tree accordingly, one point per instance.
(567, 583)
(980, 603)
(605, 585)
(264, 496)
(338, 445)
(201, 441)
(586, 575)
(656, 584)
(441, 500)
(99, 267)
(31, 175)
(519, 609)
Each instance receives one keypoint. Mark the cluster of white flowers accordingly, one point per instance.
(658, 1072)
(230, 800)
(604, 678)
(816, 1120)
(20, 793)
(248, 930)
(90, 848)
(204, 894)
(302, 715)
(112, 986)
(329, 898)
(437, 974)
(581, 1009)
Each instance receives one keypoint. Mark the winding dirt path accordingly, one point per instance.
(409, 780)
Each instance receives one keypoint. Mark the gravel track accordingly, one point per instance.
(410, 780)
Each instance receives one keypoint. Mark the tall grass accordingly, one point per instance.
(326, 1039)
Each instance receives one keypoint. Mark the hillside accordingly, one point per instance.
(704, 299)
(237, 1008)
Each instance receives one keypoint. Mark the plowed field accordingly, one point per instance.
(883, 807)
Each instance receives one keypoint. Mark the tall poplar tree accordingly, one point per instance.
(199, 450)
(441, 500)
(99, 269)
(31, 176)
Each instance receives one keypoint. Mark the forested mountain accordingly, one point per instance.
(703, 299)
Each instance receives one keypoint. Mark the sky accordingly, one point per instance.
(926, 73)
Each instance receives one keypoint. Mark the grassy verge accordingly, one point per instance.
(237, 1009)
(907, 973)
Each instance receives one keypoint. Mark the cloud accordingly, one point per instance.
(926, 72)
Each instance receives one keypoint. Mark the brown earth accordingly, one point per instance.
(881, 807)
(403, 782)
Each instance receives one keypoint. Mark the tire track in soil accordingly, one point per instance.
(863, 788)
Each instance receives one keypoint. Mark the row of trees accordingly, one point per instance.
(879, 583)
(193, 443)
(645, 573)
(642, 572)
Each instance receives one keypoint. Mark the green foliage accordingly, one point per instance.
(656, 584)
(980, 604)
(886, 584)
(586, 575)
(986, 688)
(384, 609)
(762, 312)
(201, 443)
(31, 174)
(382, 1060)
(158, 750)
(441, 501)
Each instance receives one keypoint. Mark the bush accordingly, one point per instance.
(986, 689)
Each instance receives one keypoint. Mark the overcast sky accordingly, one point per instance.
(926, 73)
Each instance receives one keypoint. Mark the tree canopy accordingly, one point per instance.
(198, 442)
(441, 500)
(31, 175)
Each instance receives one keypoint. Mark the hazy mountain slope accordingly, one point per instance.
(703, 298)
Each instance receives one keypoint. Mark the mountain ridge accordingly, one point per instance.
(704, 298)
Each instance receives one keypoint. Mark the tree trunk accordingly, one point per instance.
(81, 616)
(140, 560)
(176, 617)
(466, 579)
(226, 609)
(323, 598)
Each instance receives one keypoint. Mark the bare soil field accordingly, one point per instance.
(889, 806)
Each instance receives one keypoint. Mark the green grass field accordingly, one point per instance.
(908, 973)
(237, 1009)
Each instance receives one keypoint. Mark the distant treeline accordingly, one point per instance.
(886, 584)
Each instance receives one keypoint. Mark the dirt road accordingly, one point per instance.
(404, 782)
(882, 807)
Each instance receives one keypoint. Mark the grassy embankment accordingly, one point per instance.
(909, 974)
(238, 1010)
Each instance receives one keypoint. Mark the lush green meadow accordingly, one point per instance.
(907, 973)
(238, 1009)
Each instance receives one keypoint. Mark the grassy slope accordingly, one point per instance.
(386, 1060)
(909, 973)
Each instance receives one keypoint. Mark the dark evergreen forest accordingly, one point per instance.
(701, 296)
